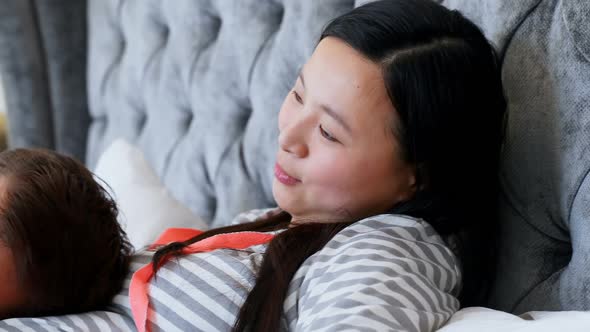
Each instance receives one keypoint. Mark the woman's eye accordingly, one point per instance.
(327, 135)
(297, 97)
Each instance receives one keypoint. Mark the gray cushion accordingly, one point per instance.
(544, 261)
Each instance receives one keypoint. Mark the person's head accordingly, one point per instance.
(61, 247)
(401, 104)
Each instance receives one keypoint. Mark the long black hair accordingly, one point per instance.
(444, 81)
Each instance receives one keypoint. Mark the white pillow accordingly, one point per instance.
(487, 320)
(146, 207)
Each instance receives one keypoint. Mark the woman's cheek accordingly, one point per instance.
(330, 170)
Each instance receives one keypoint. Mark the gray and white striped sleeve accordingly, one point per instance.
(384, 273)
(253, 215)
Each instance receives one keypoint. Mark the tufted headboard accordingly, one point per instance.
(197, 85)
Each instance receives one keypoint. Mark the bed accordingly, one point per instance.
(196, 85)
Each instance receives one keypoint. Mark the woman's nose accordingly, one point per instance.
(293, 142)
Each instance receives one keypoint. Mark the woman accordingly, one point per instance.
(375, 161)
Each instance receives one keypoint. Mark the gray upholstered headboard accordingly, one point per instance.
(197, 85)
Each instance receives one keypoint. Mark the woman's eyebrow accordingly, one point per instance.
(336, 117)
(331, 112)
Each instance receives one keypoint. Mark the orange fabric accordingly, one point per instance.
(139, 286)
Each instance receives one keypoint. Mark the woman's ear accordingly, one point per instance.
(411, 184)
(421, 178)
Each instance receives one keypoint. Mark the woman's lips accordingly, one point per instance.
(283, 177)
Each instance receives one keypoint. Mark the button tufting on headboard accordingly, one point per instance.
(165, 32)
(187, 121)
(142, 118)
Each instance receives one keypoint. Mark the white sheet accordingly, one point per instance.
(478, 319)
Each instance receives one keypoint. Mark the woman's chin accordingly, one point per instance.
(278, 192)
(282, 196)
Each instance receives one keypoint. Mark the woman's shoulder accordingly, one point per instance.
(390, 269)
(395, 240)
(396, 227)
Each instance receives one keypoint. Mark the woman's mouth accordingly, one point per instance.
(283, 177)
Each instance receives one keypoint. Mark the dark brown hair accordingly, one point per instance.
(71, 254)
(444, 80)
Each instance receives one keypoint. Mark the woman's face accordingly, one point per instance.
(338, 159)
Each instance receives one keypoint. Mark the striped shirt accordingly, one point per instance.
(383, 273)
